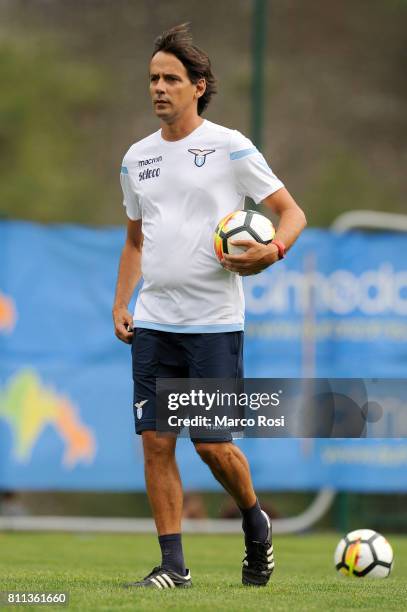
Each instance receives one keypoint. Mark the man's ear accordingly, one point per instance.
(200, 87)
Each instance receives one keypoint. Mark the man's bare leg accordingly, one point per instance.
(164, 491)
(231, 468)
(163, 482)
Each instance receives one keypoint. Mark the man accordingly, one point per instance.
(188, 320)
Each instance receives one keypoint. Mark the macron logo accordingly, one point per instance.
(150, 160)
(139, 406)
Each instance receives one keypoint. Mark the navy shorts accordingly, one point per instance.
(160, 354)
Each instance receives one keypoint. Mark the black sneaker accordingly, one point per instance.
(258, 564)
(160, 578)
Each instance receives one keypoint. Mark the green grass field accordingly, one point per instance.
(93, 567)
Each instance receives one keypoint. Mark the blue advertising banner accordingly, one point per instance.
(336, 307)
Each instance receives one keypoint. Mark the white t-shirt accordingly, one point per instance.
(180, 190)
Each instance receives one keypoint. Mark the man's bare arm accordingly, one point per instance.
(291, 217)
(128, 276)
(259, 256)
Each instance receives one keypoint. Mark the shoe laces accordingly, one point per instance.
(153, 571)
(256, 555)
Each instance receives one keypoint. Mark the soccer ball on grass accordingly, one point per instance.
(364, 553)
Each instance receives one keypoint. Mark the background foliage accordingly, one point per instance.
(74, 97)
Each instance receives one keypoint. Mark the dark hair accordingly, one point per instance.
(178, 41)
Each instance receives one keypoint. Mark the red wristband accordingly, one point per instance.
(281, 248)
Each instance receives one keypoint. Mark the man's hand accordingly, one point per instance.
(123, 324)
(257, 257)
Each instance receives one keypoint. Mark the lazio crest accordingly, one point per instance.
(200, 155)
